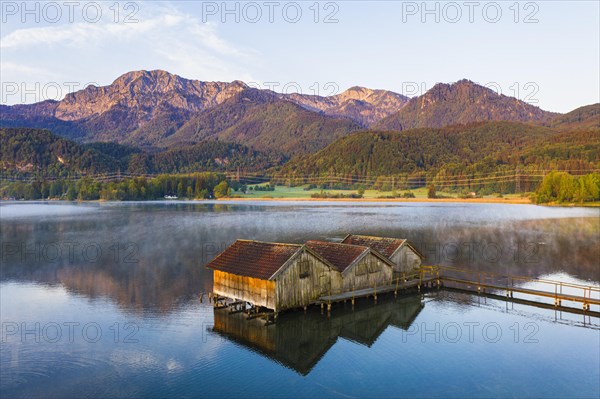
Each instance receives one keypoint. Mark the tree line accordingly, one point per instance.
(561, 187)
(204, 185)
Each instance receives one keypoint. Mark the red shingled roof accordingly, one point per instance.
(339, 255)
(383, 245)
(253, 258)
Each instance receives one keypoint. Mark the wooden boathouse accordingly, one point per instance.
(354, 267)
(271, 275)
(405, 257)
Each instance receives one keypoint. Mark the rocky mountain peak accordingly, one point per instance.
(460, 103)
(145, 92)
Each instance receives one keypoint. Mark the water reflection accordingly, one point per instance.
(150, 256)
(299, 341)
(383, 350)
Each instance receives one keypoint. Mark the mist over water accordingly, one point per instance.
(139, 268)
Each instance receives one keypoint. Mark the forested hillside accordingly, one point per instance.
(459, 152)
(38, 153)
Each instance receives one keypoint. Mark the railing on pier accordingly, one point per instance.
(558, 290)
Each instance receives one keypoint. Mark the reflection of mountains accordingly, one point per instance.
(299, 341)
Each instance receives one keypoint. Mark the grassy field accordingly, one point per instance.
(300, 193)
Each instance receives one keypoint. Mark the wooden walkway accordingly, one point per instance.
(559, 291)
(490, 284)
(556, 296)
(373, 291)
(486, 283)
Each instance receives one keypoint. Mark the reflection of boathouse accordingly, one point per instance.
(300, 340)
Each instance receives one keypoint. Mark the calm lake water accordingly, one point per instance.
(102, 300)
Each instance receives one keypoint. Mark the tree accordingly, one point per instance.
(588, 188)
(203, 194)
(71, 192)
(563, 187)
(431, 191)
(222, 189)
(56, 189)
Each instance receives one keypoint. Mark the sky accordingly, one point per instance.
(546, 53)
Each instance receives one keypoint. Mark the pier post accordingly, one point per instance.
(375, 293)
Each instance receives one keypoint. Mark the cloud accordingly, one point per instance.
(163, 38)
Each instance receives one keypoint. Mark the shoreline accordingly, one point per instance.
(512, 201)
(521, 201)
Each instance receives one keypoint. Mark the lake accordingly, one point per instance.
(102, 300)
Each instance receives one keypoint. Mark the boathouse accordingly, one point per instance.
(272, 275)
(404, 256)
(353, 267)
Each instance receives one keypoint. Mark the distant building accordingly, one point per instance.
(354, 266)
(403, 255)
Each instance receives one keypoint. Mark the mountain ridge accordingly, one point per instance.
(157, 109)
(461, 102)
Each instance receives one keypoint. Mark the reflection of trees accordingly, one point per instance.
(299, 340)
(173, 246)
(529, 248)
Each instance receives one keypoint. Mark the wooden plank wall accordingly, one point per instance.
(294, 290)
(370, 271)
(409, 259)
(250, 289)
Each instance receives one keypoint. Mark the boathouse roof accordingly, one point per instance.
(254, 258)
(341, 256)
(384, 245)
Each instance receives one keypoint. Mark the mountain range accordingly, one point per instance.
(159, 109)
(154, 121)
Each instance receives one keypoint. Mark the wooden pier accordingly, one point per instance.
(493, 285)
(484, 282)
(425, 277)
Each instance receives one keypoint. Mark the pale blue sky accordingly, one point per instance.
(552, 63)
